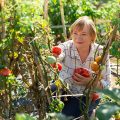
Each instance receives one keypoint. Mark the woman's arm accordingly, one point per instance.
(100, 84)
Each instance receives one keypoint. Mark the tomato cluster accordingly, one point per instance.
(82, 71)
(56, 51)
(95, 64)
(57, 65)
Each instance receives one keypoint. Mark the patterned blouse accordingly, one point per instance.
(70, 60)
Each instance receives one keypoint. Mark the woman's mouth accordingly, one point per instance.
(79, 42)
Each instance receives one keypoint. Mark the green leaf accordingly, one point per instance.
(113, 93)
(2, 66)
(21, 40)
(105, 111)
(54, 1)
(23, 117)
(15, 55)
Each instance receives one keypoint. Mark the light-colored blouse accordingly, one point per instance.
(70, 60)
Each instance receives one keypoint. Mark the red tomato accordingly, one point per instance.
(94, 96)
(56, 50)
(59, 66)
(5, 72)
(53, 65)
(82, 71)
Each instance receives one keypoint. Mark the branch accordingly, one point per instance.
(106, 50)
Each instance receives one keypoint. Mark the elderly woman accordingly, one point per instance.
(79, 52)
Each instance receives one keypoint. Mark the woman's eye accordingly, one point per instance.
(75, 33)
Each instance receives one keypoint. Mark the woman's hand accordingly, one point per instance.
(80, 80)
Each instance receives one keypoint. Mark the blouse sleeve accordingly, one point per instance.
(106, 74)
(62, 55)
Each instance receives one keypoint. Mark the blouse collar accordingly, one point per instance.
(74, 52)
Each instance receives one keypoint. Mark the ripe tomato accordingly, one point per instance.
(94, 96)
(82, 71)
(56, 50)
(53, 65)
(98, 59)
(5, 72)
(94, 66)
(59, 66)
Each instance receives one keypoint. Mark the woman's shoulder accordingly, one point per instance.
(67, 43)
(97, 48)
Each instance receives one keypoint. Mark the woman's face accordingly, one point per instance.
(82, 38)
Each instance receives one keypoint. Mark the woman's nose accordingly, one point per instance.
(79, 37)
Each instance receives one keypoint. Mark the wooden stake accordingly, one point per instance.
(2, 29)
(46, 2)
(62, 19)
(2, 3)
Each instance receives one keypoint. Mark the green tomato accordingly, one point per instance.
(51, 59)
(56, 105)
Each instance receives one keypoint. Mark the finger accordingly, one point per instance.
(77, 82)
(82, 80)
(80, 83)
(76, 78)
(81, 77)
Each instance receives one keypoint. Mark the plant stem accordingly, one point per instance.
(117, 66)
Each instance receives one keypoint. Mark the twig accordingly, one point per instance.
(104, 56)
(73, 95)
(29, 68)
(106, 50)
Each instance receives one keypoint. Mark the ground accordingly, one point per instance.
(113, 75)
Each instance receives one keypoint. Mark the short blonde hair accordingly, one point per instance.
(81, 22)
